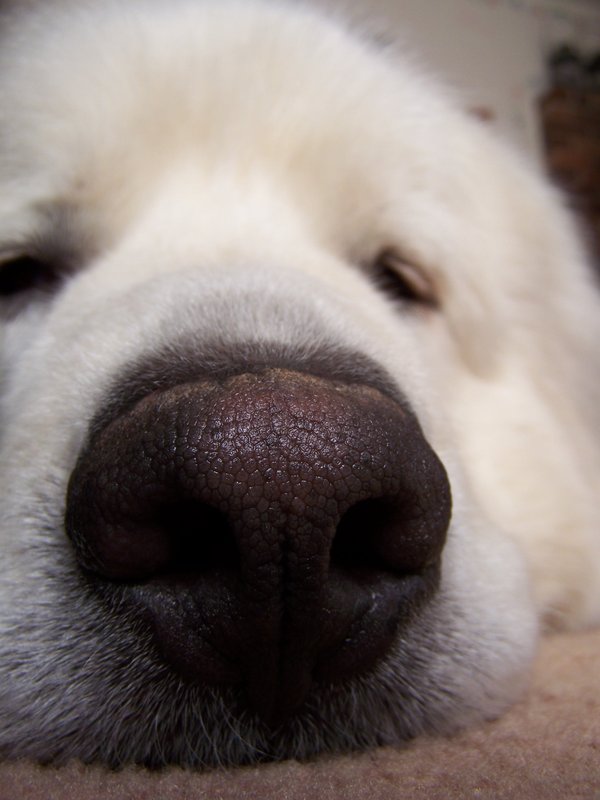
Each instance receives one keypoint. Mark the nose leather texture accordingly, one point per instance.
(271, 530)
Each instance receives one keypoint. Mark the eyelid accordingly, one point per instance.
(414, 276)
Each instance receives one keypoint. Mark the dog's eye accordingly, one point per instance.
(404, 280)
(23, 273)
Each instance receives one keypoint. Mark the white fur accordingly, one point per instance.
(232, 168)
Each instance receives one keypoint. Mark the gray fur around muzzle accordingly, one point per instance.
(272, 530)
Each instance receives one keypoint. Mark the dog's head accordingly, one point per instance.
(297, 391)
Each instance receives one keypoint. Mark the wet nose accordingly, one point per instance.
(271, 530)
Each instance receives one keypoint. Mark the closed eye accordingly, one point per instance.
(36, 267)
(403, 280)
(24, 273)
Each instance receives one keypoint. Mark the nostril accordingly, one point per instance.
(356, 538)
(383, 533)
(200, 537)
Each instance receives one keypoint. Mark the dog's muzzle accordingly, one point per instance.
(271, 530)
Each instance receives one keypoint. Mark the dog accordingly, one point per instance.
(300, 392)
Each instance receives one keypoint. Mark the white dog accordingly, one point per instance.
(269, 302)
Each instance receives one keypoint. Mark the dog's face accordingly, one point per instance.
(298, 393)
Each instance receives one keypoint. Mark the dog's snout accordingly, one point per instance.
(272, 529)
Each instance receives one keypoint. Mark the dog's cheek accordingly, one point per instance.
(17, 337)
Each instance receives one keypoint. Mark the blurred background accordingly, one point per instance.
(530, 68)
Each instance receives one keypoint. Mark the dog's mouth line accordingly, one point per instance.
(226, 667)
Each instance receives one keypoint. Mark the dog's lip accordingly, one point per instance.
(200, 655)
(187, 646)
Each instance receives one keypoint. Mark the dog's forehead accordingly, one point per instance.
(349, 135)
(251, 92)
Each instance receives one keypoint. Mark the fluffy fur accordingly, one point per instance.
(228, 172)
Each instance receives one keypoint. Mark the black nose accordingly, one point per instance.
(273, 530)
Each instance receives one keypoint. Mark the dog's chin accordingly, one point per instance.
(451, 665)
(140, 710)
(145, 712)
